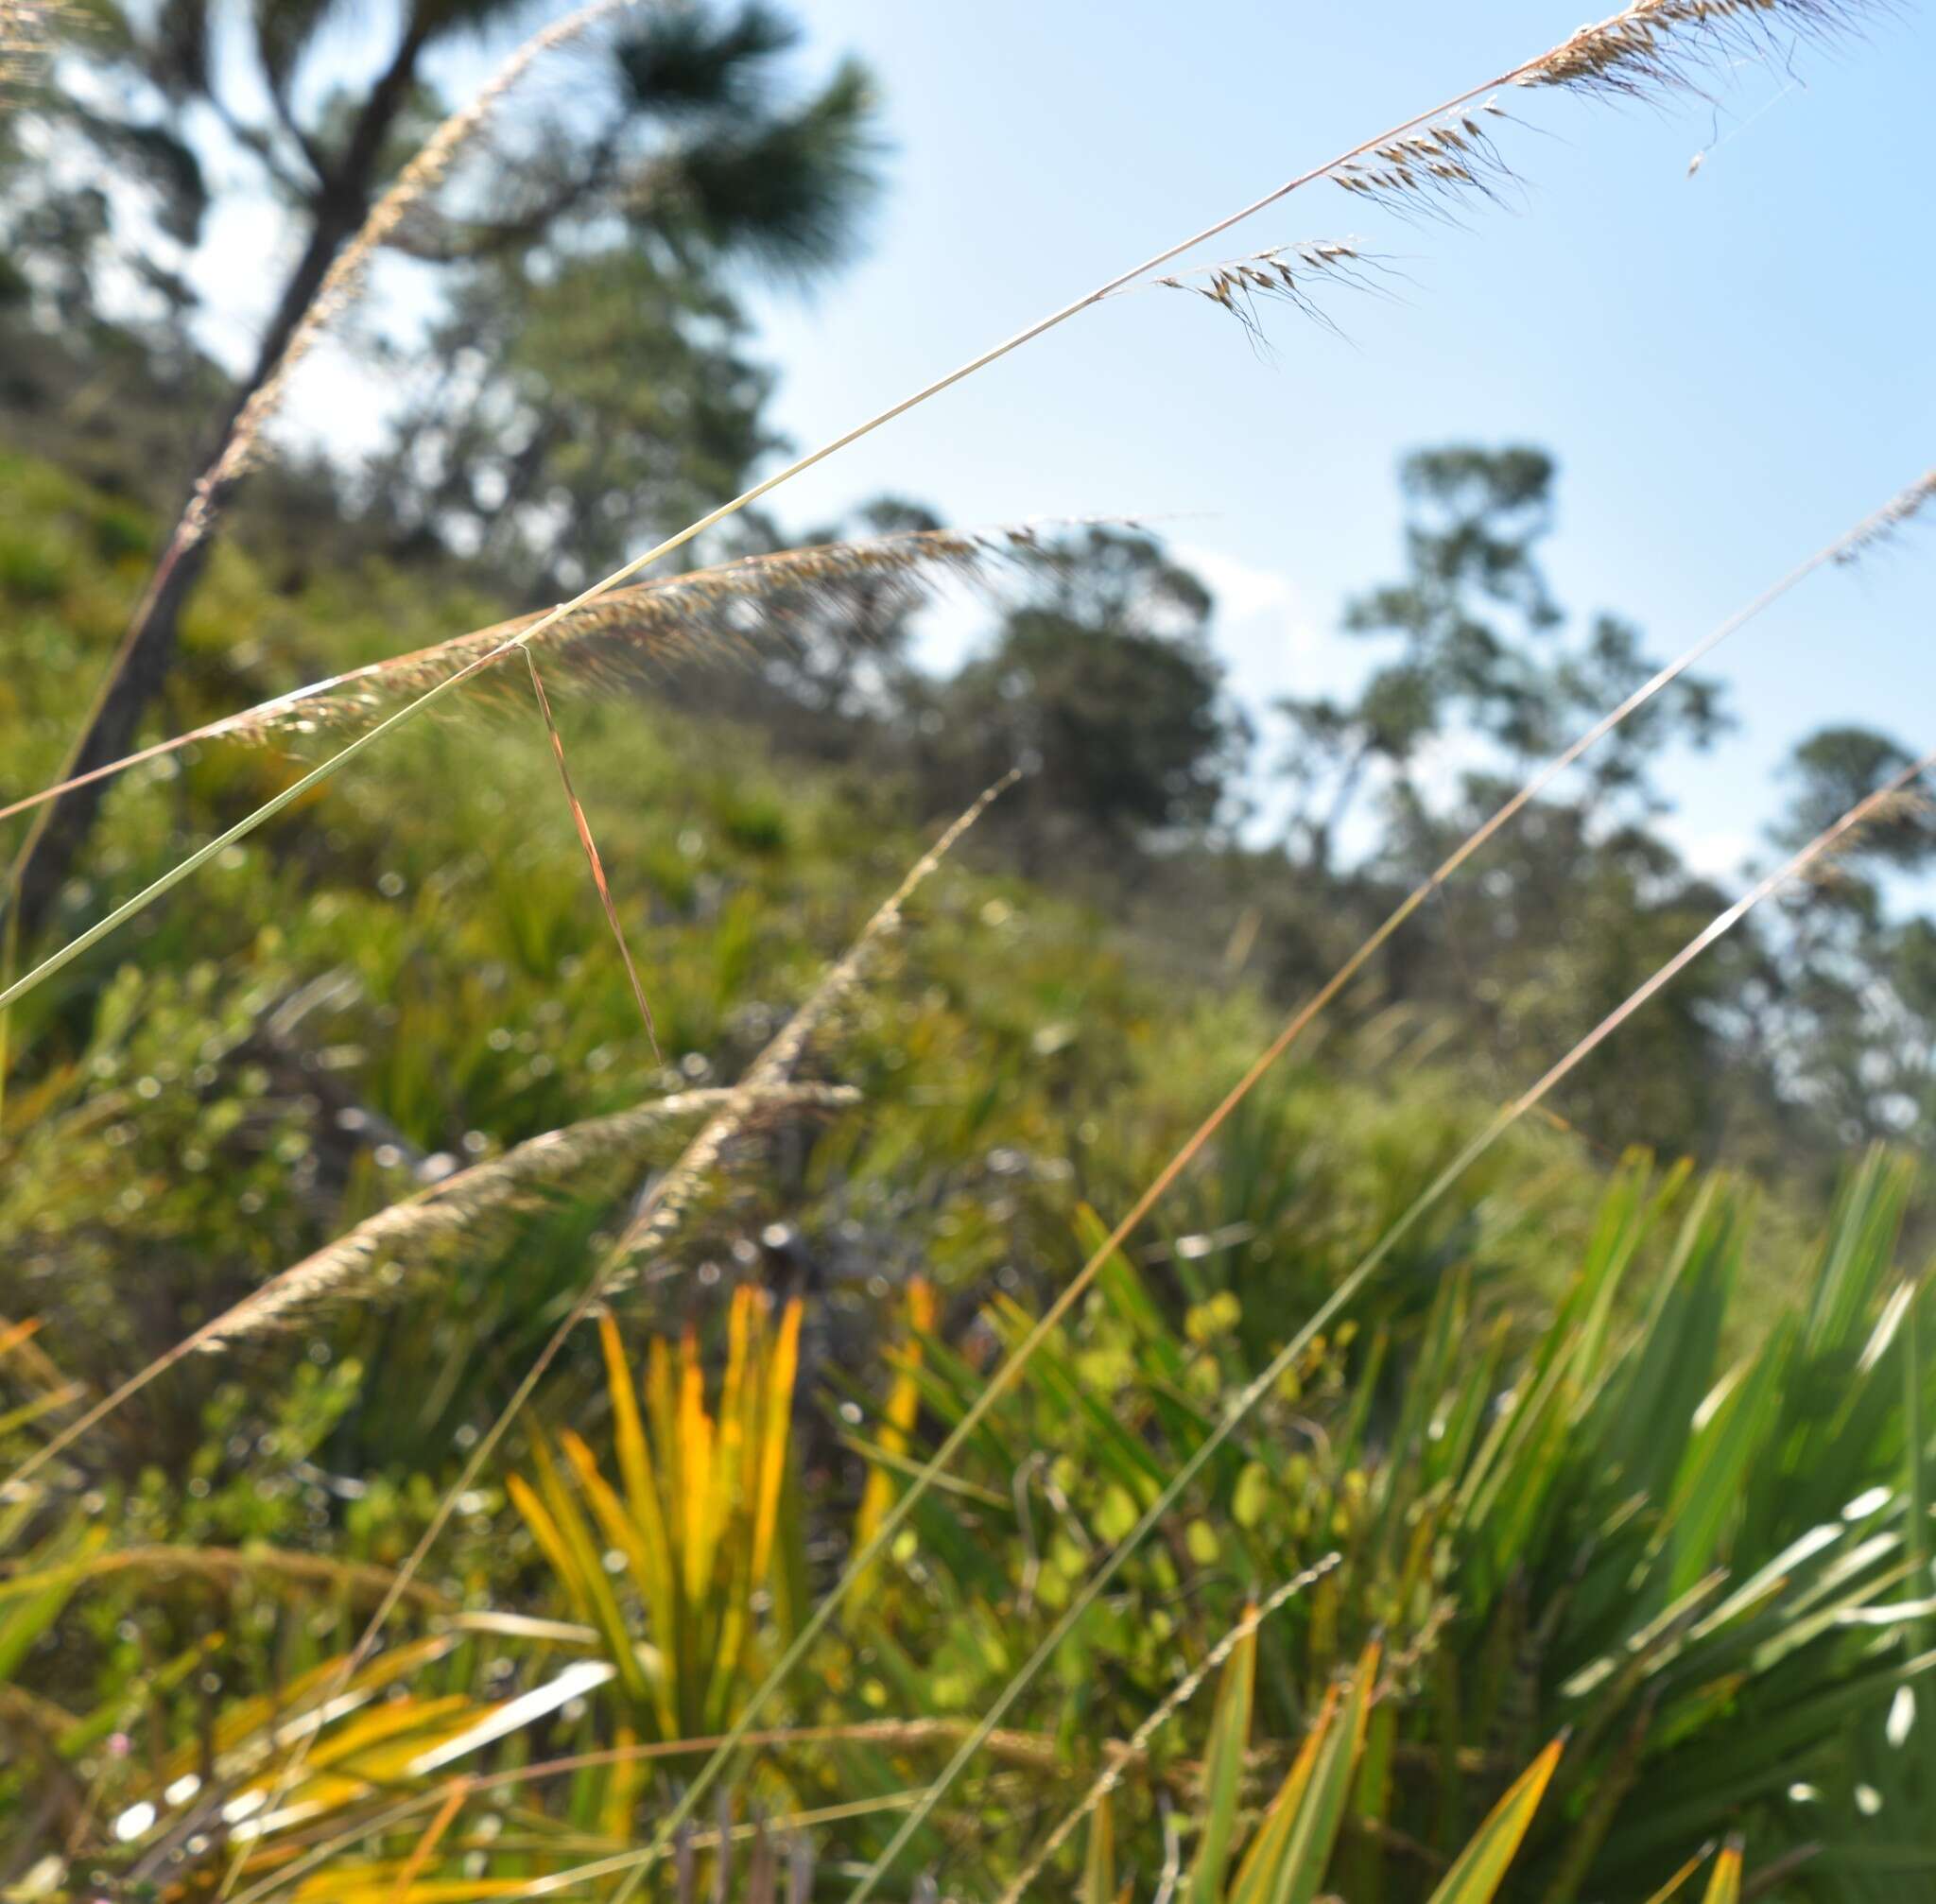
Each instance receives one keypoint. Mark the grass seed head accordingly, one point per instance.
(1655, 46)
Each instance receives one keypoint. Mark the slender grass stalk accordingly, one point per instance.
(671, 618)
(667, 1198)
(636, 1863)
(1866, 533)
(1178, 1695)
(355, 1580)
(1032, 1751)
(432, 1836)
(321, 1854)
(591, 848)
(1347, 1290)
(1634, 50)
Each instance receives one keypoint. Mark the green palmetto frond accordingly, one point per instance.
(1686, 1533)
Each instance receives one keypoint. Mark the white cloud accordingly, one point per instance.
(1713, 852)
(1266, 631)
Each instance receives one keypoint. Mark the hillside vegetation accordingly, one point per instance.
(650, 1251)
(408, 975)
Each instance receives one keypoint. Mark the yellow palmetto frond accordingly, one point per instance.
(671, 1562)
(904, 1404)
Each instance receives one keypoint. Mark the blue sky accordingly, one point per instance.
(1732, 367)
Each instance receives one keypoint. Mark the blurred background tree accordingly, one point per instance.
(1481, 664)
(685, 150)
(1847, 1010)
(1104, 684)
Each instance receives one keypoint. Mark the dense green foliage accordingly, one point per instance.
(452, 1388)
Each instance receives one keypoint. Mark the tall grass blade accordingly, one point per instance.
(1675, 1884)
(1264, 1866)
(621, 636)
(1320, 1815)
(1098, 1868)
(1224, 1774)
(1480, 1869)
(1725, 1887)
